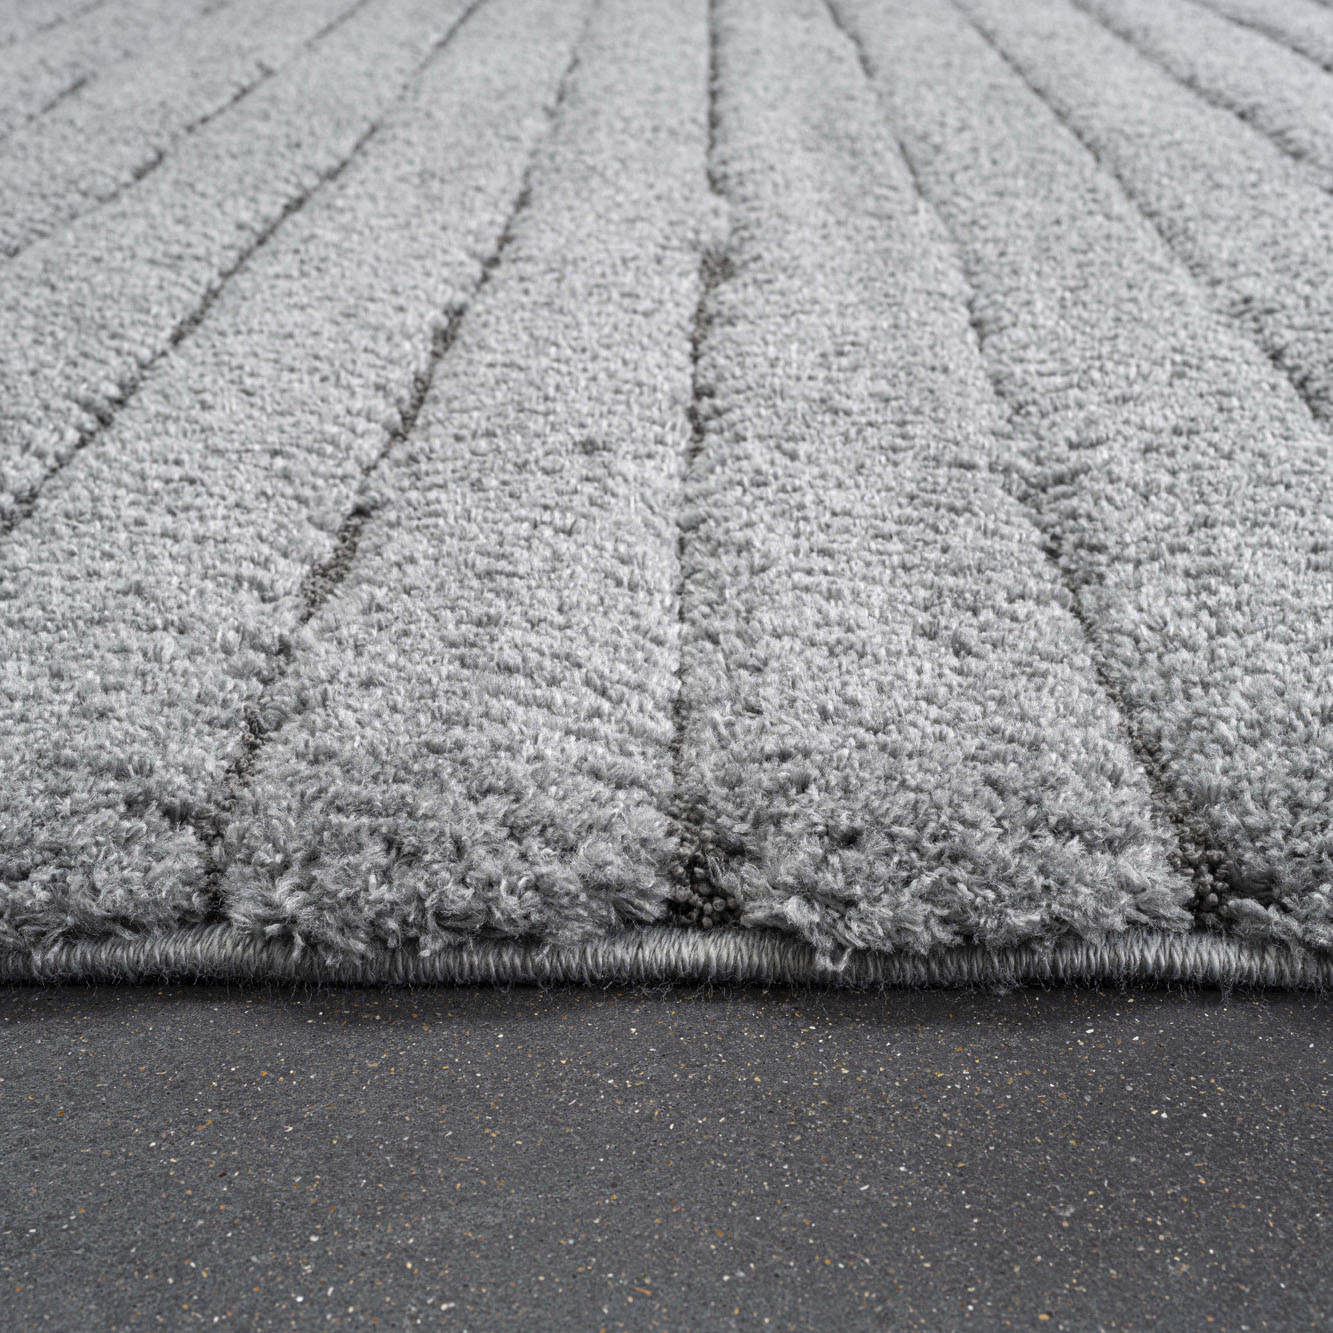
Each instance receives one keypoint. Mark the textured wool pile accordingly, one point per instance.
(629, 489)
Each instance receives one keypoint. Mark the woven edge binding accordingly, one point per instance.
(656, 955)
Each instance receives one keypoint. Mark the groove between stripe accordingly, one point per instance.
(161, 155)
(322, 581)
(693, 900)
(1190, 855)
(1242, 113)
(1273, 355)
(77, 12)
(1274, 35)
(26, 502)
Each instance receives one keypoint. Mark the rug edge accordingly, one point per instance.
(664, 955)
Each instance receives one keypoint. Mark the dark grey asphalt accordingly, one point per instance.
(589, 1159)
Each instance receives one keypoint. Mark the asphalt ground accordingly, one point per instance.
(736, 1159)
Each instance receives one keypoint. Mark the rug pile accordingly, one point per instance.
(642, 489)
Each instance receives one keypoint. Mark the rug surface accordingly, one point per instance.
(644, 488)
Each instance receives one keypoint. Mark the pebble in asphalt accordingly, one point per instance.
(610, 1159)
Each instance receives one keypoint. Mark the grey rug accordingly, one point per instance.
(770, 489)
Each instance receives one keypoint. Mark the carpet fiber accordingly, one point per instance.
(774, 489)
